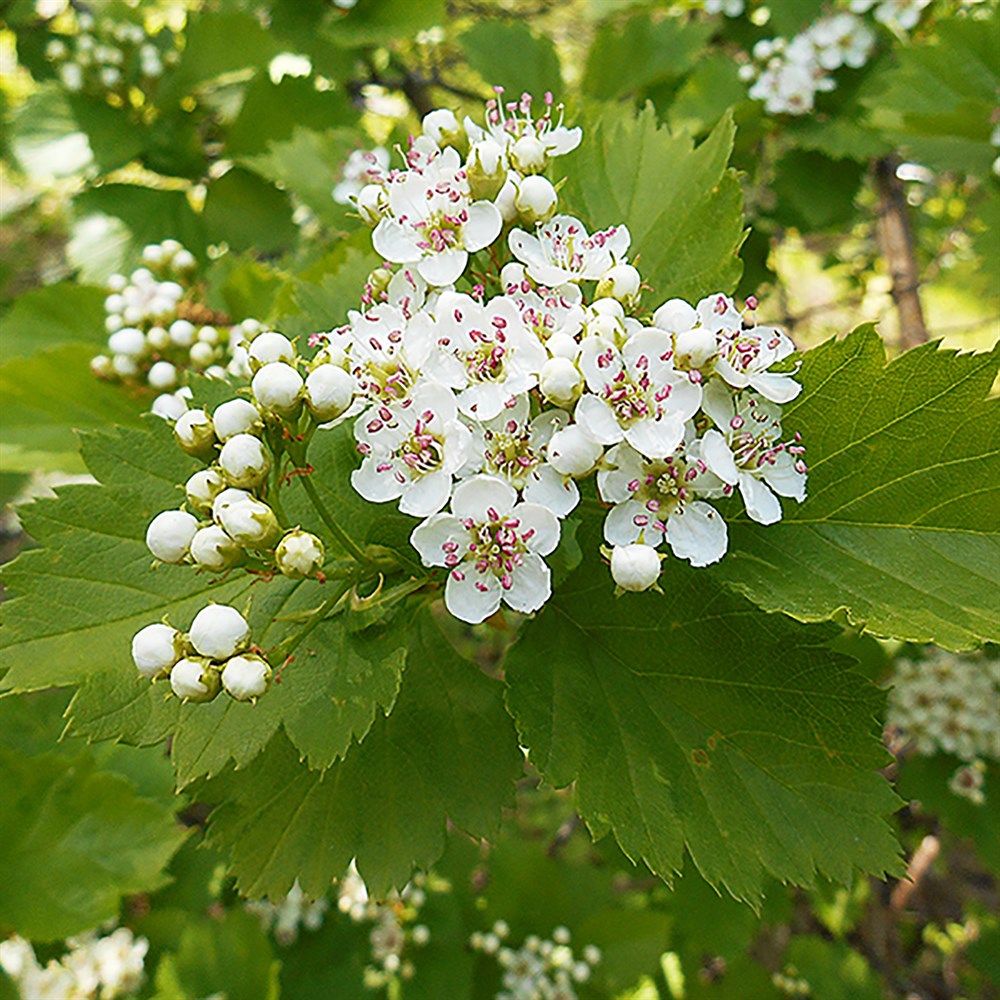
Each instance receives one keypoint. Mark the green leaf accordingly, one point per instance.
(710, 89)
(693, 720)
(814, 191)
(900, 530)
(379, 21)
(247, 212)
(626, 57)
(447, 752)
(938, 104)
(73, 841)
(511, 56)
(45, 317)
(114, 137)
(680, 203)
(833, 969)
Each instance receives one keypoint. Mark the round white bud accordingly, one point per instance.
(572, 452)
(486, 170)
(202, 489)
(155, 649)
(635, 567)
(607, 306)
(443, 127)
(158, 338)
(114, 303)
(693, 348)
(238, 416)
(182, 332)
(675, 315)
(621, 282)
(208, 335)
(528, 155)
(372, 203)
(194, 679)
(162, 375)
(219, 631)
(216, 371)
(101, 366)
(299, 554)
(239, 365)
(183, 259)
(202, 355)
(170, 245)
(246, 678)
(169, 535)
(421, 934)
(117, 282)
(329, 391)
(128, 341)
(249, 522)
(112, 322)
(244, 461)
(152, 254)
(195, 433)
(270, 347)
(213, 548)
(169, 406)
(226, 499)
(560, 381)
(124, 366)
(277, 387)
(536, 200)
(562, 345)
(504, 201)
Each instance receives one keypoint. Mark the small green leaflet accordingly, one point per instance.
(447, 752)
(51, 315)
(693, 720)
(681, 204)
(901, 527)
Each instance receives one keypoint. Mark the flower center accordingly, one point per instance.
(495, 546)
(423, 450)
(485, 362)
(442, 231)
(509, 453)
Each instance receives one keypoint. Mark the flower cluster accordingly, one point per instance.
(159, 331)
(287, 916)
(214, 655)
(949, 703)
(541, 969)
(94, 968)
(478, 413)
(787, 74)
(107, 56)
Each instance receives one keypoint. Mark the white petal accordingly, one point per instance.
(546, 487)
(475, 496)
(543, 524)
(761, 504)
(598, 420)
(531, 585)
(395, 242)
(470, 596)
(484, 400)
(483, 226)
(429, 537)
(525, 247)
(620, 527)
(442, 269)
(777, 387)
(426, 495)
(784, 479)
(718, 457)
(656, 438)
(698, 535)
(626, 466)
(717, 402)
(378, 487)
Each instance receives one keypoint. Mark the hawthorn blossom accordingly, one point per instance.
(492, 547)
(546, 312)
(363, 166)
(484, 353)
(412, 451)
(635, 394)
(432, 221)
(561, 251)
(513, 447)
(658, 499)
(747, 451)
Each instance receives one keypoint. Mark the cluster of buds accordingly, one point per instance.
(479, 414)
(546, 968)
(214, 655)
(158, 331)
(107, 57)
(285, 918)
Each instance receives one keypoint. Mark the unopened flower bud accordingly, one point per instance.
(201, 354)
(536, 200)
(208, 335)
(329, 391)
(244, 461)
(573, 452)
(249, 522)
(157, 338)
(128, 341)
(182, 332)
(212, 548)
(202, 489)
(124, 366)
(237, 416)
(694, 348)
(675, 316)
(162, 375)
(195, 433)
(193, 679)
(226, 499)
(562, 345)
(246, 677)
(183, 259)
(378, 282)
(299, 554)
(101, 366)
(219, 631)
(277, 386)
(528, 155)
(635, 567)
(372, 203)
(486, 170)
(155, 649)
(269, 347)
(444, 128)
(621, 282)
(169, 535)
(169, 406)
(560, 381)
(504, 201)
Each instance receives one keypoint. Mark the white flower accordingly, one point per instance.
(169, 535)
(746, 451)
(433, 224)
(483, 352)
(195, 433)
(363, 166)
(513, 447)
(246, 678)
(658, 498)
(412, 452)
(193, 679)
(218, 631)
(244, 460)
(278, 387)
(156, 648)
(249, 522)
(329, 391)
(636, 393)
(492, 547)
(212, 548)
(560, 251)
(299, 554)
(573, 452)
(237, 416)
